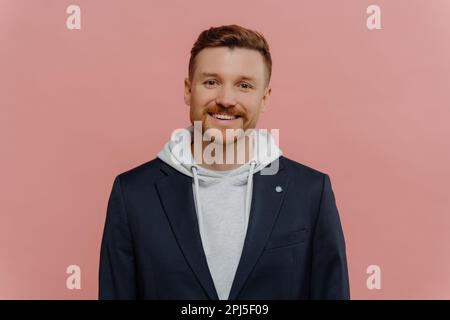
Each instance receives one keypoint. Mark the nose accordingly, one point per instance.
(226, 97)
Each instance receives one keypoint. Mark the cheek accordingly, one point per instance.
(195, 101)
(201, 99)
(252, 107)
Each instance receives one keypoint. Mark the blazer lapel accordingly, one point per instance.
(266, 204)
(176, 196)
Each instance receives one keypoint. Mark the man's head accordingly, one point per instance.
(229, 75)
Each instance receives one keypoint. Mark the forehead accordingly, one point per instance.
(230, 62)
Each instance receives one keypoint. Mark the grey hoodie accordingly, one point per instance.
(222, 201)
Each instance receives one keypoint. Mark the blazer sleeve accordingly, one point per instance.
(329, 278)
(117, 270)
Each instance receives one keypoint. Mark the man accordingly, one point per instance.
(188, 225)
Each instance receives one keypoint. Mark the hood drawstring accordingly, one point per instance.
(248, 197)
(194, 170)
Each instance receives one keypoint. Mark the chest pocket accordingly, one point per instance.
(287, 239)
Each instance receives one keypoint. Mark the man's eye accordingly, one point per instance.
(245, 85)
(210, 82)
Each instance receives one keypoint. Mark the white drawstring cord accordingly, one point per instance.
(248, 200)
(194, 170)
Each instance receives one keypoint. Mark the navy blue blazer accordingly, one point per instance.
(151, 246)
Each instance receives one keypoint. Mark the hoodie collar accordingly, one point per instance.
(177, 153)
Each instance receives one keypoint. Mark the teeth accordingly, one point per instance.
(223, 116)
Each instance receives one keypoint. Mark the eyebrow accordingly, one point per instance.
(211, 74)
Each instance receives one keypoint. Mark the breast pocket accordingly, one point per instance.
(287, 239)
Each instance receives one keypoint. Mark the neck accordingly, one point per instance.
(237, 158)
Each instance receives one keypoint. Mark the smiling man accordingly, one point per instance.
(220, 213)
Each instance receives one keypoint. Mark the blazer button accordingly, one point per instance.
(278, 189)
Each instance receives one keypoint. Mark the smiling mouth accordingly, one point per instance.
(221, 116)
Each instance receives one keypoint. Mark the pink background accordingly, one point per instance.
(369, 107)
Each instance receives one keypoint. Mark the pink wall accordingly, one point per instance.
(369, 107)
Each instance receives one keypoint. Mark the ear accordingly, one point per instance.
(265, 99)
(187, 91)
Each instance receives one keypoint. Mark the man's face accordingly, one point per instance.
(228, 89)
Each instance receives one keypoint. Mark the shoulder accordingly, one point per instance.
(305, 177)
(144, 173)
(301, 170)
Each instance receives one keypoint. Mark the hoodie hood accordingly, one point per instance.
(177, 153)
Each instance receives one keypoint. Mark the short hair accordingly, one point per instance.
(231, 36)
